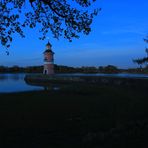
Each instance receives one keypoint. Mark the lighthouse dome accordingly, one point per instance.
(48, 45)
(48, 48)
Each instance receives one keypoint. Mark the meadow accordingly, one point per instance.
(86, 116)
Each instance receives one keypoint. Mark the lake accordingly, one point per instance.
(16, 83)
(122, 75)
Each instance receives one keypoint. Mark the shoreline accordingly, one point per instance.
(110, 80)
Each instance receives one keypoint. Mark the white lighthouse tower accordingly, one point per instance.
(48, 60)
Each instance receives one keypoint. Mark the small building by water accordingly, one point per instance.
(48, 60)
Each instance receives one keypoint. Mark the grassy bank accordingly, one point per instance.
(89, 116)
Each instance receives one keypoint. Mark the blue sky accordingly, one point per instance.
(116, 38)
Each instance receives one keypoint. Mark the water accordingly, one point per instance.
(16, 83)
(123, 75)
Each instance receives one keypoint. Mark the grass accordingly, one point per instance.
(85, 116)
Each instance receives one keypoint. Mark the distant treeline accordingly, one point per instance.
(68, 69)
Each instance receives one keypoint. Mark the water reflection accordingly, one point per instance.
(123, 75)
(3, 77)
(47, 88)
(15, 83)
(16, 77)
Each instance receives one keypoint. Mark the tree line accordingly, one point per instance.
(61, 69)
(110, 69)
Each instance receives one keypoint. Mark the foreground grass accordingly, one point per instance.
(87, 116)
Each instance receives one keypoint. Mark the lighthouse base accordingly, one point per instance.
(48, 69)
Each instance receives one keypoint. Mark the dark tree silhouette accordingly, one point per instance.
(141, 61)
(146, 39)
(59, 16)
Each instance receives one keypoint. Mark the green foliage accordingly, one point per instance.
(58, 16)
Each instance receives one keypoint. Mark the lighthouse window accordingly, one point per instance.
(45, 59)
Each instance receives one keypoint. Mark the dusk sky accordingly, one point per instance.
(116, 38)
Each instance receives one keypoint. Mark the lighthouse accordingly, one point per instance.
(48, 60)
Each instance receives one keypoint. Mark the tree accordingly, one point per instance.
(58, 16)
(146, 39)
(143, 60)
(110, 69)
(139, 62)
